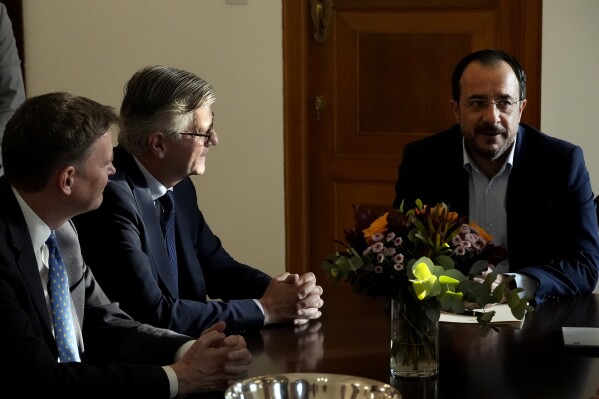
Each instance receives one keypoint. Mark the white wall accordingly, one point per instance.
(92, 47)
(570, 76)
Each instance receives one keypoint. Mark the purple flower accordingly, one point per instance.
(471, 237)
(398, 258)
(377, 247)
(390, 251)
(390, 236)
(380, 258)
(378, 269)
(398, 266)
(377, 237)
(465, 229)
(398, 241)
(480, 243)
(460, 251)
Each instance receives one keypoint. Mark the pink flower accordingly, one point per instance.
(480, 243)
(377, 237)
(460, 251)
(377, 247)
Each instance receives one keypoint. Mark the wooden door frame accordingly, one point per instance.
(296, 143)
(296, 33)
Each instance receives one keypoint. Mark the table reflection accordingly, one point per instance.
(522, 361)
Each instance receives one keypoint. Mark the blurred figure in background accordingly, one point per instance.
(12, 91)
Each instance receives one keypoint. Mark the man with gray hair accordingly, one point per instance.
(162, 268)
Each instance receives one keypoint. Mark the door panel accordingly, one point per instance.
(384, 74)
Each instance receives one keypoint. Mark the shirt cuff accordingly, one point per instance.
(183, 349)
(259, 305)
(172, 381)
(170, 373)
(528, 284)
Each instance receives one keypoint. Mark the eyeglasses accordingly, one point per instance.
(503, 106)
(207, 136)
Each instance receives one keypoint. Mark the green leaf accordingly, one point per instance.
(499, 292)
(445, 261)
(478, 267)
(455, 273)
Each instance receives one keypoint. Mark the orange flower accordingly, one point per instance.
(378, 226)
(481, 232)
(452, 216)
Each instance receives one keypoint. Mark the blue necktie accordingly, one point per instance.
(168, 228)
(60, 299)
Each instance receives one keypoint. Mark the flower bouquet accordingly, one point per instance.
(426, 260)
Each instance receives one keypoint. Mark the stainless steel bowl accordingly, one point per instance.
(311, 386)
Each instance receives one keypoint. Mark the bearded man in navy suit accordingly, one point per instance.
(530, 191)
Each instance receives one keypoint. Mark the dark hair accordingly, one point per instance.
(159, 98)
(48, 132)
(487, 57)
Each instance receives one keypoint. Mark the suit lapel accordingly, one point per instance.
(156, 248)
(20, 242)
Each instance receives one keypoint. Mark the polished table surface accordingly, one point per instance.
(524, 360)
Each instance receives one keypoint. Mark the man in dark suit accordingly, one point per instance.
(530, 191)
(168, 129)
(58, 150)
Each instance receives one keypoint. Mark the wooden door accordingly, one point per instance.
(382, 79)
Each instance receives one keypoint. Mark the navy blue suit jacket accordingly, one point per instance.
(112, 342)
(123, 243)
(552, 228)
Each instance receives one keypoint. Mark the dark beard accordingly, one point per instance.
(491, 130)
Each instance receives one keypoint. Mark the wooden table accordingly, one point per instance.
(528, 361)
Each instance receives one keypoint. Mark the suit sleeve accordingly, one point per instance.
(116, 244)
(31, 366)
(553, 231)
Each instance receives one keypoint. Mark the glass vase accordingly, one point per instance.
(414, 341)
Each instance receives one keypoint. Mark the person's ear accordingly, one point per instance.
(455, 107)
(66, 179)
(158, 144)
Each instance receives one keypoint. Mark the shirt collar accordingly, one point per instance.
(157, 189)
(469, 164)
(38, 230)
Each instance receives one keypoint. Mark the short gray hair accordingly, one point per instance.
(159, 98)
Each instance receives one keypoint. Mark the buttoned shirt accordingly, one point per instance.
(487, 208)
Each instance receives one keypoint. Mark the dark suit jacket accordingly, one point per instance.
(552, 228)
(112, 341)
(123, 243)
